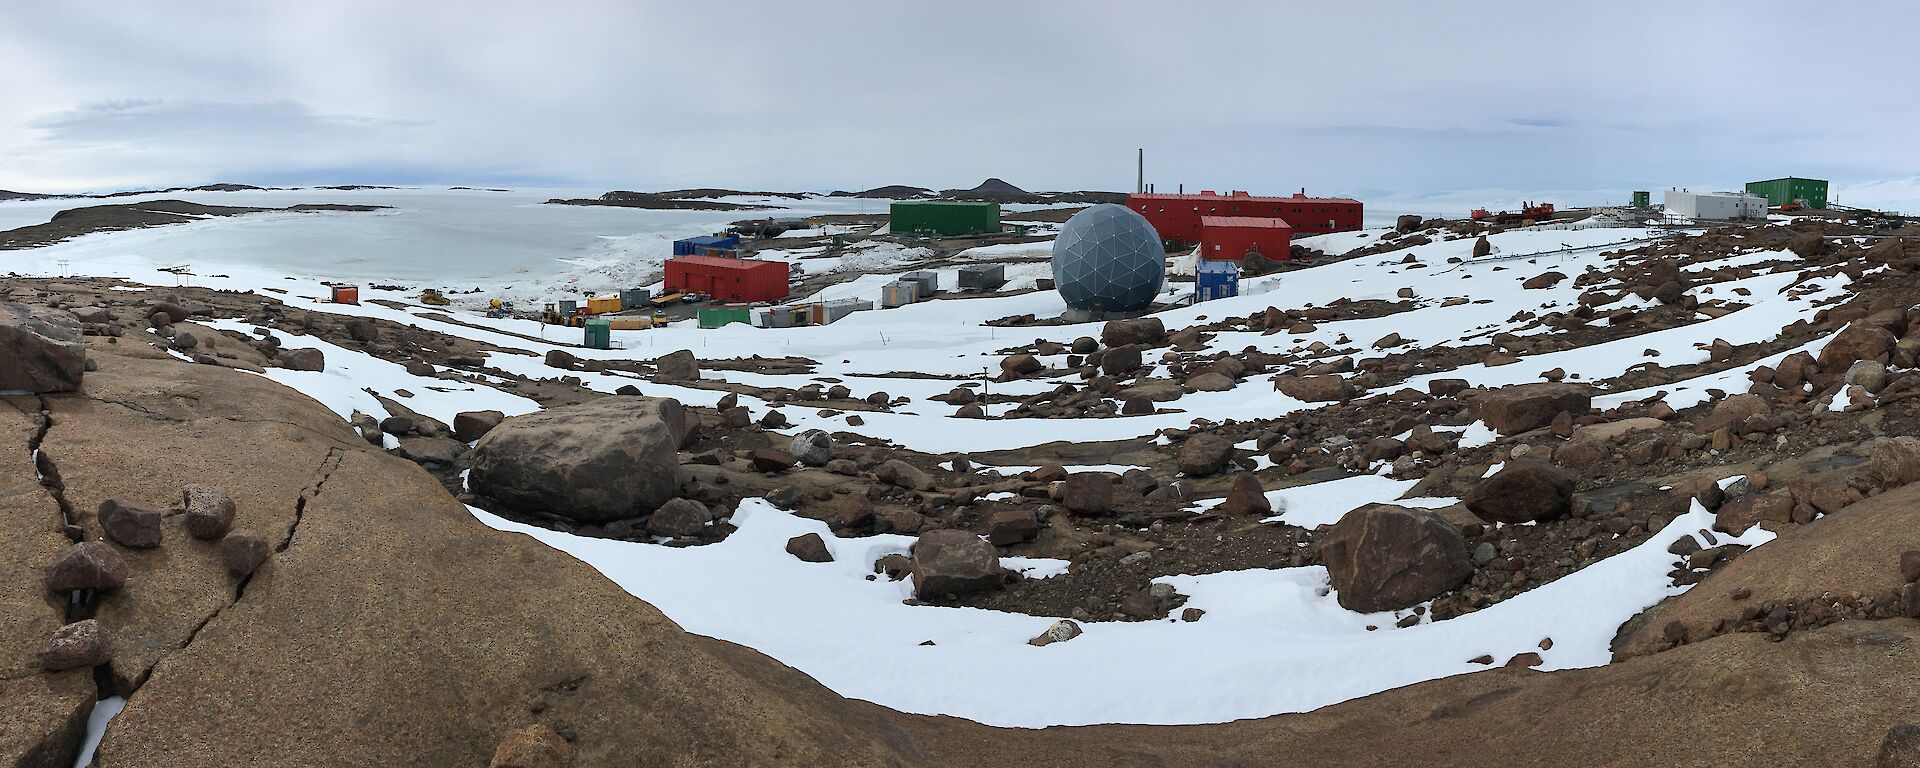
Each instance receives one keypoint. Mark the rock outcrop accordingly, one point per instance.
(40, 350)
(1381, 557)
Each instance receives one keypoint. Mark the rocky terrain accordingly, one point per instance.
(277, 560)
(74, 222)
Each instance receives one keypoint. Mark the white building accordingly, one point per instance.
(1715, 205)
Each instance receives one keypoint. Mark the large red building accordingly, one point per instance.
(1177, 217)
(1230, 238)
(727, 278)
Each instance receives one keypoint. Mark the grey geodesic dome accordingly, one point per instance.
(1108, 259)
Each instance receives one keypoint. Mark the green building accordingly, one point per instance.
(1810, 192)
(944, 218)
(599, 334)
(714, 317)
(1642, 199)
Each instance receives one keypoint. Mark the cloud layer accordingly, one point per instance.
(1387, 98)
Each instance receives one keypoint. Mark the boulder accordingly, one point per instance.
(40, 349)
(243, 551)
(950, 562)
(1016, 366)
(1543, 280)
(1210, 382)
(94, 565)
(770, 460)
(1482, 248)
(1522, 491)
(131, 524)
(1085, 345)
(607, 459)
(676, 366)
(1406, 222)
(1324, 388)
(813, 447)
(440, 451)
(904, 475)
(1203, 454)
(1858, 342)
(1808, 245)
(469, 426)
(304, 359)
(1012, 526)
(1088, 493)
(1246, 497)
(1896, 460)
(1526, 407)
(1145, 331)
(1870, 375)
(362, 329)
(1901, 747)
(209, 511)
(1120, 361)
(1060, 632)
(1382, 558)
(810, 548)
(679, 517)
(1732, 412)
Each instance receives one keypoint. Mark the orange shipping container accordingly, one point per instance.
(600, 305)
(346, 294)
(640, 323)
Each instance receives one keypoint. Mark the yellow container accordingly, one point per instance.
(639, 323)
(599, 305)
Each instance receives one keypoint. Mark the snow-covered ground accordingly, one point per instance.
(1274, 640)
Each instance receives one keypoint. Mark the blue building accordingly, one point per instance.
(1216, 280)
(705, 244)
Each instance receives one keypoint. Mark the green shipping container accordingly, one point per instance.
(944, 218)
(599, 334)
(714, 317)
(1643, 199)
(1810, 192)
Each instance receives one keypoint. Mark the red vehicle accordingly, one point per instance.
(1529, 211)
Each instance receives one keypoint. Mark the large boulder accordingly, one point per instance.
(1525, 407)
(1147, 331)
(676, 366)
(953, 562)
(40, 349)
(1521, 492)
(1324, 388)
(608, 459)
(1382, 558)
(813, 447)
(1088, 493)
(1204, 454)
(1858, 342)
(469, 426)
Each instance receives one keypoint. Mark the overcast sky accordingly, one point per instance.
(1396, 99)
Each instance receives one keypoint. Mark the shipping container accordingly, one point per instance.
(945, 218)
(743, 280)
(982, 277)
(569, 306)
(1216, 280)
(630, 322)
(714, 317)
(1715, 206)
(598, 334)
(926, 283)
(634, 297)
(1811, 193)
(600, 305)
(843, 307)
(1232, 238)
(1642, 199)
(346, 294)
(899, 293)
(1177, 217)
(775, 317)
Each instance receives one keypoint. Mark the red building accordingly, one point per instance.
(1177, 217)
(1229, 238)
(728, 278)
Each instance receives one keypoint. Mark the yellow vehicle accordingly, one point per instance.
(434, 298)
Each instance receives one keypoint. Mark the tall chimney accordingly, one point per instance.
(1140, 172)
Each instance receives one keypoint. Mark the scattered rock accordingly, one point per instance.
(1012, 526)
(1324, 388)
(307, 359)
(1088, 493)
(1061, 631)
(80, 644)
(813, 447)
(130, 524)
(209, 511)
(809, 547)
(1245, 497)
(87, 565)
(904, 475)
(1203, 454)
(1526, 407)
(243, 551)
(1146, 331)
(1016, 366)
(679, 517)
(770, 460)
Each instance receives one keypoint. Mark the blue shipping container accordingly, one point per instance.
(694, 245)
(1216, 280)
